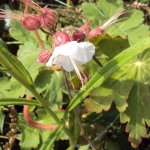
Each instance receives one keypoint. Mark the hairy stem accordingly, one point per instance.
(35, 124)
(39, 39)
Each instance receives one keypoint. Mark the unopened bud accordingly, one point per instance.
(48, 18)
(78, 36)
(30, 22)
(94, 33)
(44, 56)
(85, 28)
(61, 38)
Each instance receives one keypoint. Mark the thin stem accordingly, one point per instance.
(35, 124)
(47, 32)
(39, 39)
(99, 137)
(50, 112)
(26, 10)
(66, 84)
(97, 61)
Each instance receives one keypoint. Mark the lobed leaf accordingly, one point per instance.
(116, 63)
(137, 113)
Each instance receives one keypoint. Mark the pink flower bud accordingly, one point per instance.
(61, 38)
(78, 36)
(94, 33)
(44, 56)
(30, 22)
(48, 18)
(85, 28)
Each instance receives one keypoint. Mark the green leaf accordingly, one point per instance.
(116, 88)
(30, 137)
(49, 142)
(27, 54)
(91, 11)
(92, 106)
(18, 32)
(111, 46)
(5, 86)
(14, 66)
(85, 147)
(133, 19)
(101, 76)
(37, 136)
(101, 11)
(18, 101)
(16, 89)
(138, 33)
(11, 88)
(52, 92)
(110, 7)
(2, 117)
(137, 113)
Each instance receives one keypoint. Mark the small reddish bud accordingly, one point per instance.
(30, 22)
(61, 38)
(48, 18)
(44, 56)
(85, 28)
(78, 36)
(94, 33)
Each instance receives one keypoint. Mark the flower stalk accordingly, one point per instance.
(35, 124)
(39, 39)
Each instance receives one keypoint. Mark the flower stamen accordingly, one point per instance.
(77, 70)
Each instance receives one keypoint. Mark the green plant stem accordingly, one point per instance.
(67, 85)
(50, 112)
(18, 101)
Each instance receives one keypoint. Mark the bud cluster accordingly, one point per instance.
(47, 18)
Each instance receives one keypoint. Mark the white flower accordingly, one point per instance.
(71, 55)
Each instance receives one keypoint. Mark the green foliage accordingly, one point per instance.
(2, 117)
(130, 22)
(115, 88)
(85, 147)
(18, 101)
(102, 11)
(14, 66)
(124, 50)
(105, 97)
(137, 114)
(21, 35)
(34, 138)
(116, 63)
(111, 46)
(46, 84)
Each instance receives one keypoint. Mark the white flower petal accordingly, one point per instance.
(81, 53)
(84, 52)
(67, 49)
(61, 60)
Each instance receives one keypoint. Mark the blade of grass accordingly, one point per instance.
(18, 101)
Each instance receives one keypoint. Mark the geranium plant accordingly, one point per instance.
(75, 83)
